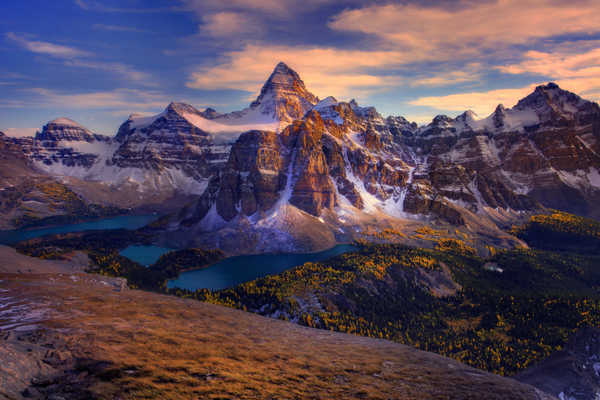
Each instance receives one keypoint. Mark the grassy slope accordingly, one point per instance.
(138, 345)
(501, 322)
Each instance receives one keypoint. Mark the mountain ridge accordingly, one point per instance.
(291, 162)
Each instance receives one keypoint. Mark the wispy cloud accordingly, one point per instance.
(469, 73)
(74, 57)
(575, 70)
(326, 71)
(119, 28)
(482, 103)
(91, 5)
(124, 70)
(227, 24)
(51, 49)
(118, 99)
(276, 8)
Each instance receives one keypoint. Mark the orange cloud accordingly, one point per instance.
(226, 23)
(575, 71)
(469, 28)
(326, 71)
(482, 103)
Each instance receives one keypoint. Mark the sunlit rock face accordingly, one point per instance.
(284, 97)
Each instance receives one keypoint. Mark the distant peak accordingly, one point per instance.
(326, 102)
(282, 67)
(550, 98)
(548, 86)
(468, 115)
(65, 122)
(439, 119)
(180, 108)
(500, 109)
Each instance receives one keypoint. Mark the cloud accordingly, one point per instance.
(227, 23)
(124, 70)
(51, 49)
(483, 103)
(469, 73)
(118, 99)
(574, 70)
(326, 71)
(82, 59)
(119, 28)
(469, 29)
(273, 8)
(91, 5)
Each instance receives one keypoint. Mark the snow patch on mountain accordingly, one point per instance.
(66, 122)
(229, 128)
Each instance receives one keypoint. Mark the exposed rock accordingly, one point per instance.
(284, 96)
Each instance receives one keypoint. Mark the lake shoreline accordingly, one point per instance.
(127, 221)
(245, 265)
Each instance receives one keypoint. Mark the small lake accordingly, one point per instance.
(130, 222)
(145, 255)
(235, 270)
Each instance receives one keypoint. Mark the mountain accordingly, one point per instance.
(292, 172)
(160, 161)
(545, 147)
(284, 96)
(341, 169)
(29, 196)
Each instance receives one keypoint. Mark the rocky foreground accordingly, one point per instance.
(82, 336)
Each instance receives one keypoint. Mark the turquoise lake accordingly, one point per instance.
(145, 255)
(227, 273)
(130, 222)
(235, 270)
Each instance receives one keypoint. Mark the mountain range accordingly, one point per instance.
(295, 173)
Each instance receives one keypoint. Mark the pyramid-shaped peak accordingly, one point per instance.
(282, 67)
(284, 75)
(468, 115)
(548, 86)
(284, 96)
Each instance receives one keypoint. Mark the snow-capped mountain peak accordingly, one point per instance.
(64, 129)
(284, 96)
(66, 122)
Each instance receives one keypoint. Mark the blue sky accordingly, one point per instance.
(97, 61)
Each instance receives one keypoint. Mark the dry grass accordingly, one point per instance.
(160, 347)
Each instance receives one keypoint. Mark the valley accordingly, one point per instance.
(471, 238)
